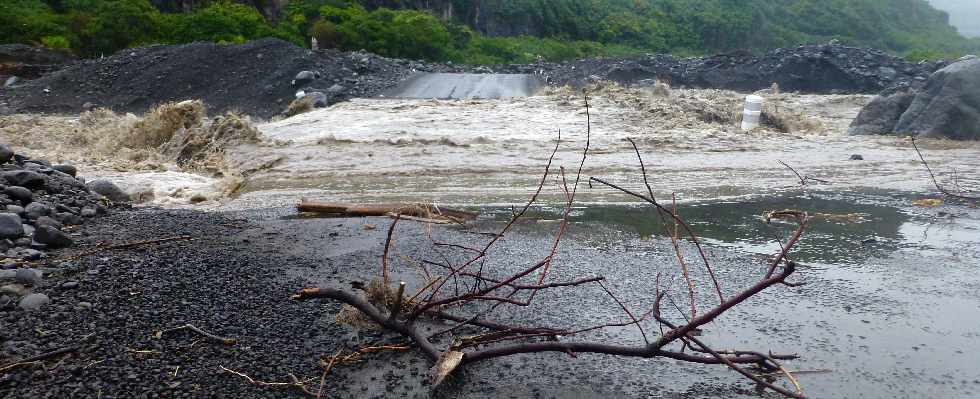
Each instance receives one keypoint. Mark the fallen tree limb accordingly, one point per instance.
(423, 211)
(37, 358)
(935, 181)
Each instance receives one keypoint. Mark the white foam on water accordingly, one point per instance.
(494, 151)
(168, 188)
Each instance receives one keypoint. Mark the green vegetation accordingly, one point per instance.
(561, 29)
(95, 27)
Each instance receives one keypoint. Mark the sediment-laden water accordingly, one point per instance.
(495, 151)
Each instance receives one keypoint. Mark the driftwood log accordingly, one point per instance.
(428, 211)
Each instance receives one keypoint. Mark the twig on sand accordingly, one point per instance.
(128, 245)
(423, 220)
(795, 372)
(294, 384)
(38, 358)
(326, 370)
(788, 374)
(222, 340)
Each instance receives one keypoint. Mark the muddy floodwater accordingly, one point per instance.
(494, 151)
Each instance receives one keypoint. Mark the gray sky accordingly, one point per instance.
(963, 14)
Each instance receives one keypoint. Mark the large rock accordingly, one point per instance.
(59, 182)
(33, 302)
(29, 277)
(6, 154)
(52, 237)
(20, 194)
(15, 209)
(948, 106)
(317, 99)
(24, 178)
(70, 170)
(109, 190)
(47, 221)
(35, 210)
(11, 226)
(303, 78)
(882, 114)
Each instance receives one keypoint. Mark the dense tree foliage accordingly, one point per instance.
(549, 29)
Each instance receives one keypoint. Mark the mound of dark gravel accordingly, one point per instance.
(821, 69)
(255, 78)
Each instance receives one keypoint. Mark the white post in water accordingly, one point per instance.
(313, 44)
(752, 112)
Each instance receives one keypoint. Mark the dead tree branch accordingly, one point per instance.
(804, 179)
(460, 288)
(949, 194)
(37, 358)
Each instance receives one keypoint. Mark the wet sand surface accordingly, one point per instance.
(895, 316)
(890, 309)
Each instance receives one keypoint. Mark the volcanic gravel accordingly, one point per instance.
(124, 297)
(255, 78)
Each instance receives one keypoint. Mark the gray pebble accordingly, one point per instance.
(16, 209)
(33, 302)
(19, 194)
(52, 237)
(13, 289)
(35, 210)
(28, 277)
(11, 226)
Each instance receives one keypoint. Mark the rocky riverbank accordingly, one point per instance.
(43, 206)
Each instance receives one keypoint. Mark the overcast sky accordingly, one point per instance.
(963, 14)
